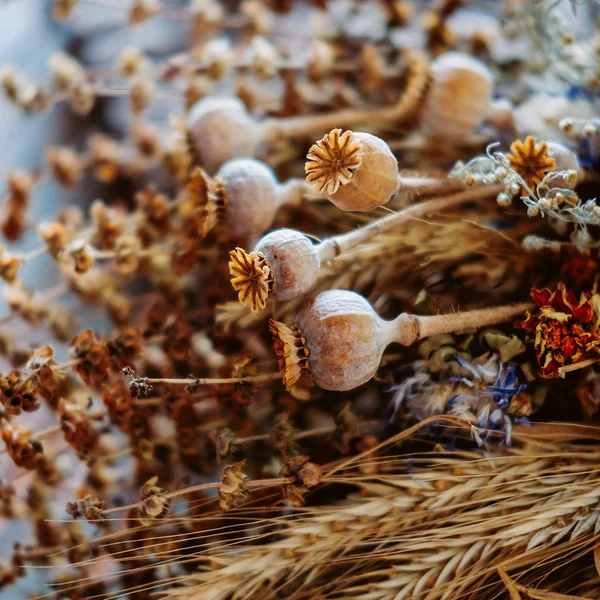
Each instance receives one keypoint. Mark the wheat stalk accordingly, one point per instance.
(438, 532)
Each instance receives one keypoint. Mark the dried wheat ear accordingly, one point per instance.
(339, 339)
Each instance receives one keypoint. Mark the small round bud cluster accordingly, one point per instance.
(580, 127)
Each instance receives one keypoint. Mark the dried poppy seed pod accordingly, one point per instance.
(220, 128)
(285, 263)
(458, 98)
(355, 171)
(293, 260)
(359, 172)
(253, 196)
(339, 338)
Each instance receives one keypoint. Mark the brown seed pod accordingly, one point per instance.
(355, 171)
(339, 338)
(458, 98)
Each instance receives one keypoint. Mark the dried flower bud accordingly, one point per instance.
(141, 10)
(66, 71)
(232, 490)
(82, 98)
(263, 58)
(140, 95)
(65, 164)
(63, 8)
(205, 15)
(132, 62)
(355, 171)
(9, 268)
(321, 60)
(155, 504)
(126, 248)
(83, 258)
(105, 157)
(216, 57)
(54, 235)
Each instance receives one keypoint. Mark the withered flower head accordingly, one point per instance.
(251, 278)
(531, 161)
(565, 330)
(155, 503)
(291, 350)
(332, 161)
(232, 490)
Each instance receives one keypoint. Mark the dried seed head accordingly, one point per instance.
(251, 278)
(250, 188)
(291, 350)
(220, 128)
(65, 165)
(355, 171)
(293, 261)
(63, 9)
(82, 97)
(459, 96)
(345, 338)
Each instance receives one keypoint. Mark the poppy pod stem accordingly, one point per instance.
(332, 247)
(411, 328)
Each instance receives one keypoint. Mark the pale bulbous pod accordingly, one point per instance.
(458, 98)
(251, 195)
(345, 338)
(374, 182)
(293, 260)
(220, 128)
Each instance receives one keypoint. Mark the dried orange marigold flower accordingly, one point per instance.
(332, 161)
(291, 350)
(531, 161)
(251, 278)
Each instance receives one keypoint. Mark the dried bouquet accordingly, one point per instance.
(301, 299)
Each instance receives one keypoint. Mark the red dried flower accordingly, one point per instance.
(565, 330)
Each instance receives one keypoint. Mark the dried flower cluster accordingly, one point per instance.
(377, 409)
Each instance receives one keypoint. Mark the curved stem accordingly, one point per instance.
(336, 245)
(408, 328)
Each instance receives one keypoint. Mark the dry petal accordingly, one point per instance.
(291, 350)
